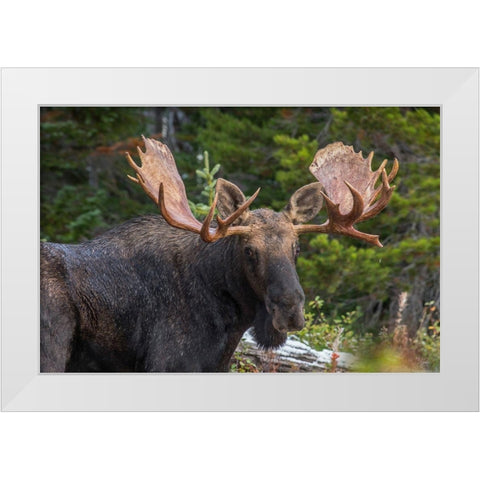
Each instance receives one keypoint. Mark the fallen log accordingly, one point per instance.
(294, 356)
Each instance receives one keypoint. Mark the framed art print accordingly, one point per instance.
(260, 251)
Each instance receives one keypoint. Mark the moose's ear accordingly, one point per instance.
(230, 197)
(305, 203)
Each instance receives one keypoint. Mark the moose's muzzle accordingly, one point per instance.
(286, 310)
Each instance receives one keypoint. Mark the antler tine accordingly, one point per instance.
(134, 166)
(223, 226)
(205, 234)
(390, 177)
(386, 194)
(350, 191)
(340, 223)
(358, 204)
(169, 218)
(394, 171)
(237, 213)
(333, 209)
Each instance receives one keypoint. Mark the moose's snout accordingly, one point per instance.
(286, 310)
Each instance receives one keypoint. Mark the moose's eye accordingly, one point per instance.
(249, 251)
(296, 250)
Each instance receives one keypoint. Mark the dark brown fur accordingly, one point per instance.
(148, 297)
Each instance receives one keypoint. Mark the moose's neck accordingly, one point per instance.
(219, 268)
(204, 272)
(215, 270)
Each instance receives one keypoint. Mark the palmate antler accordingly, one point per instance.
(350, 192)
(159, 177)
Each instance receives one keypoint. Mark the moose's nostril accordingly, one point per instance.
(296, 323)
(297, 327)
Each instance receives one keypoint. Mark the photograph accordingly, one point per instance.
(239, 239)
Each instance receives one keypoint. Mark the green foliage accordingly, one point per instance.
(392, 351)
(81, 207)
(427, 343)
(294, 157)
(397, 352)
(332, 332)
(341, 272)
(84, 127)
(246, 142)
(242, 364)
(206, 176)
(380, 128)
(239, 142)
(427, 339)
(79, 181)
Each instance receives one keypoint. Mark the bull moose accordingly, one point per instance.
(171, 294)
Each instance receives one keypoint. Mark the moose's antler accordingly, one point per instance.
(350, 192)
(159, 177)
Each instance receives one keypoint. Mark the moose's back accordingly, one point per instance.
(96, 297)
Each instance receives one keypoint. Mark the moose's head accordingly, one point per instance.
(268, 240)
(269, 247)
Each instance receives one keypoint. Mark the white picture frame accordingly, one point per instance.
(454, 388)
